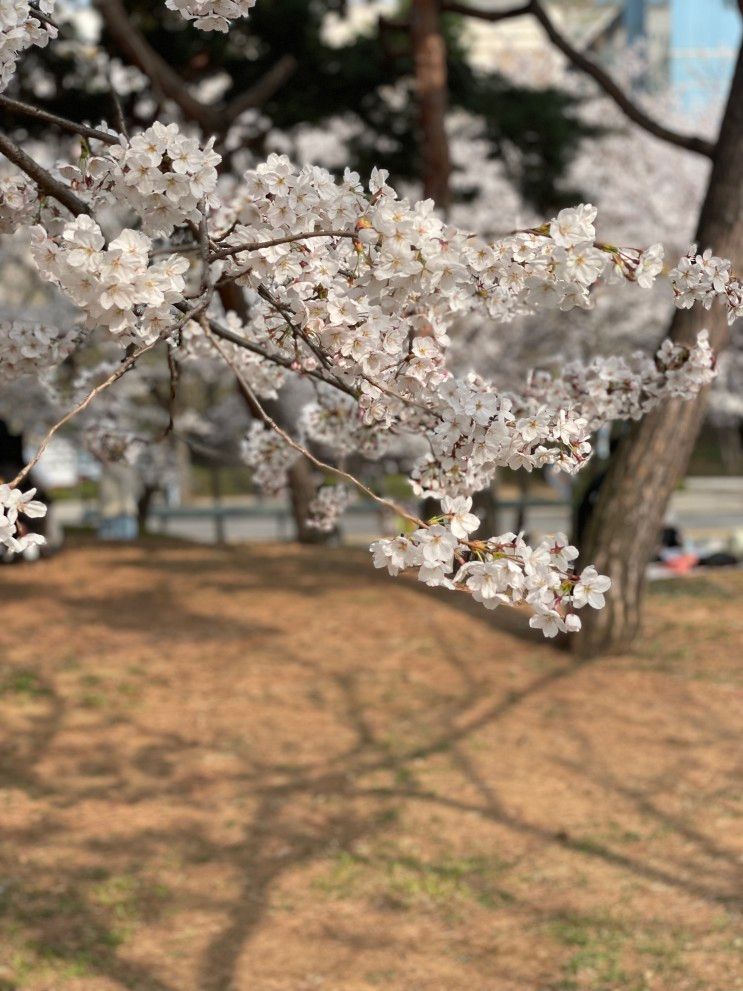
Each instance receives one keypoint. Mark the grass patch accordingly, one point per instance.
(405, 881)
(65, 934)
(606, 954)
(24, 682)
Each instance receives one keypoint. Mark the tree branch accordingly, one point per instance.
(137, 49)
(27, 110)
(616, 93)
(635, 113)
(262, 91)
(486, 15)
(211, 118)
(79, 407)
(43, 179)
(241, 342)
(236, 249)
(301, 449)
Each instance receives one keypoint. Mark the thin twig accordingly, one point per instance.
(83, 404)
(228, 335)
(114, 377)
(493, 16)
(173, 372)
(236, 249)
(300, 449)
(266, 294)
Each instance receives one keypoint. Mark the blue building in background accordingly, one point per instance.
(703, 45)
(692, 44)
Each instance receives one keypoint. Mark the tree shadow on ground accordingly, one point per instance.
(66, 923)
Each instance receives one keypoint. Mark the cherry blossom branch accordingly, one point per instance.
(301, 449)
(28, 110)
(123, 368)
(41, 16)
(291, 366)
(615, 92)
(236, 249)
(79, 407)
(43, 179)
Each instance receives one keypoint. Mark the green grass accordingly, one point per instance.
(608, 954)
(56, 934)
(406, 881)
(22, 682)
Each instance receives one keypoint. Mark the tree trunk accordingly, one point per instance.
(429, 56)
(302, 489)
(623, 531)
(486, 505)
(731, 448)
(144, 504)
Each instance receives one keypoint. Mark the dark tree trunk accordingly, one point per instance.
(486, 505)
(623, 531)
(429, 56)
(144, 504)
(302, 489)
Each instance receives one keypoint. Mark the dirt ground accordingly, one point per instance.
(273, 769)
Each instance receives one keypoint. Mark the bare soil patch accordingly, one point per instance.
(273, 769)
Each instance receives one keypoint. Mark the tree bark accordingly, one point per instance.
(429, 56)
(623, 531)
(302, 490)
(144, 504)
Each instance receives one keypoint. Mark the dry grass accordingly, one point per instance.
(272, 769)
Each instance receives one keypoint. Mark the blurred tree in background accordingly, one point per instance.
(285, 63)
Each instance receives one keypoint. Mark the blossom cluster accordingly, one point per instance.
(29, 348)
(115, 285)
(20, 29)
(211, 15)
(326, 509)
(703, 278)
(378, 304)
(501, 570)
(618, 388)
(356, 291)
(269, 456)
(265, 377)
(19, 201)
(164, 176)
(13, 535)
(334, 421)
